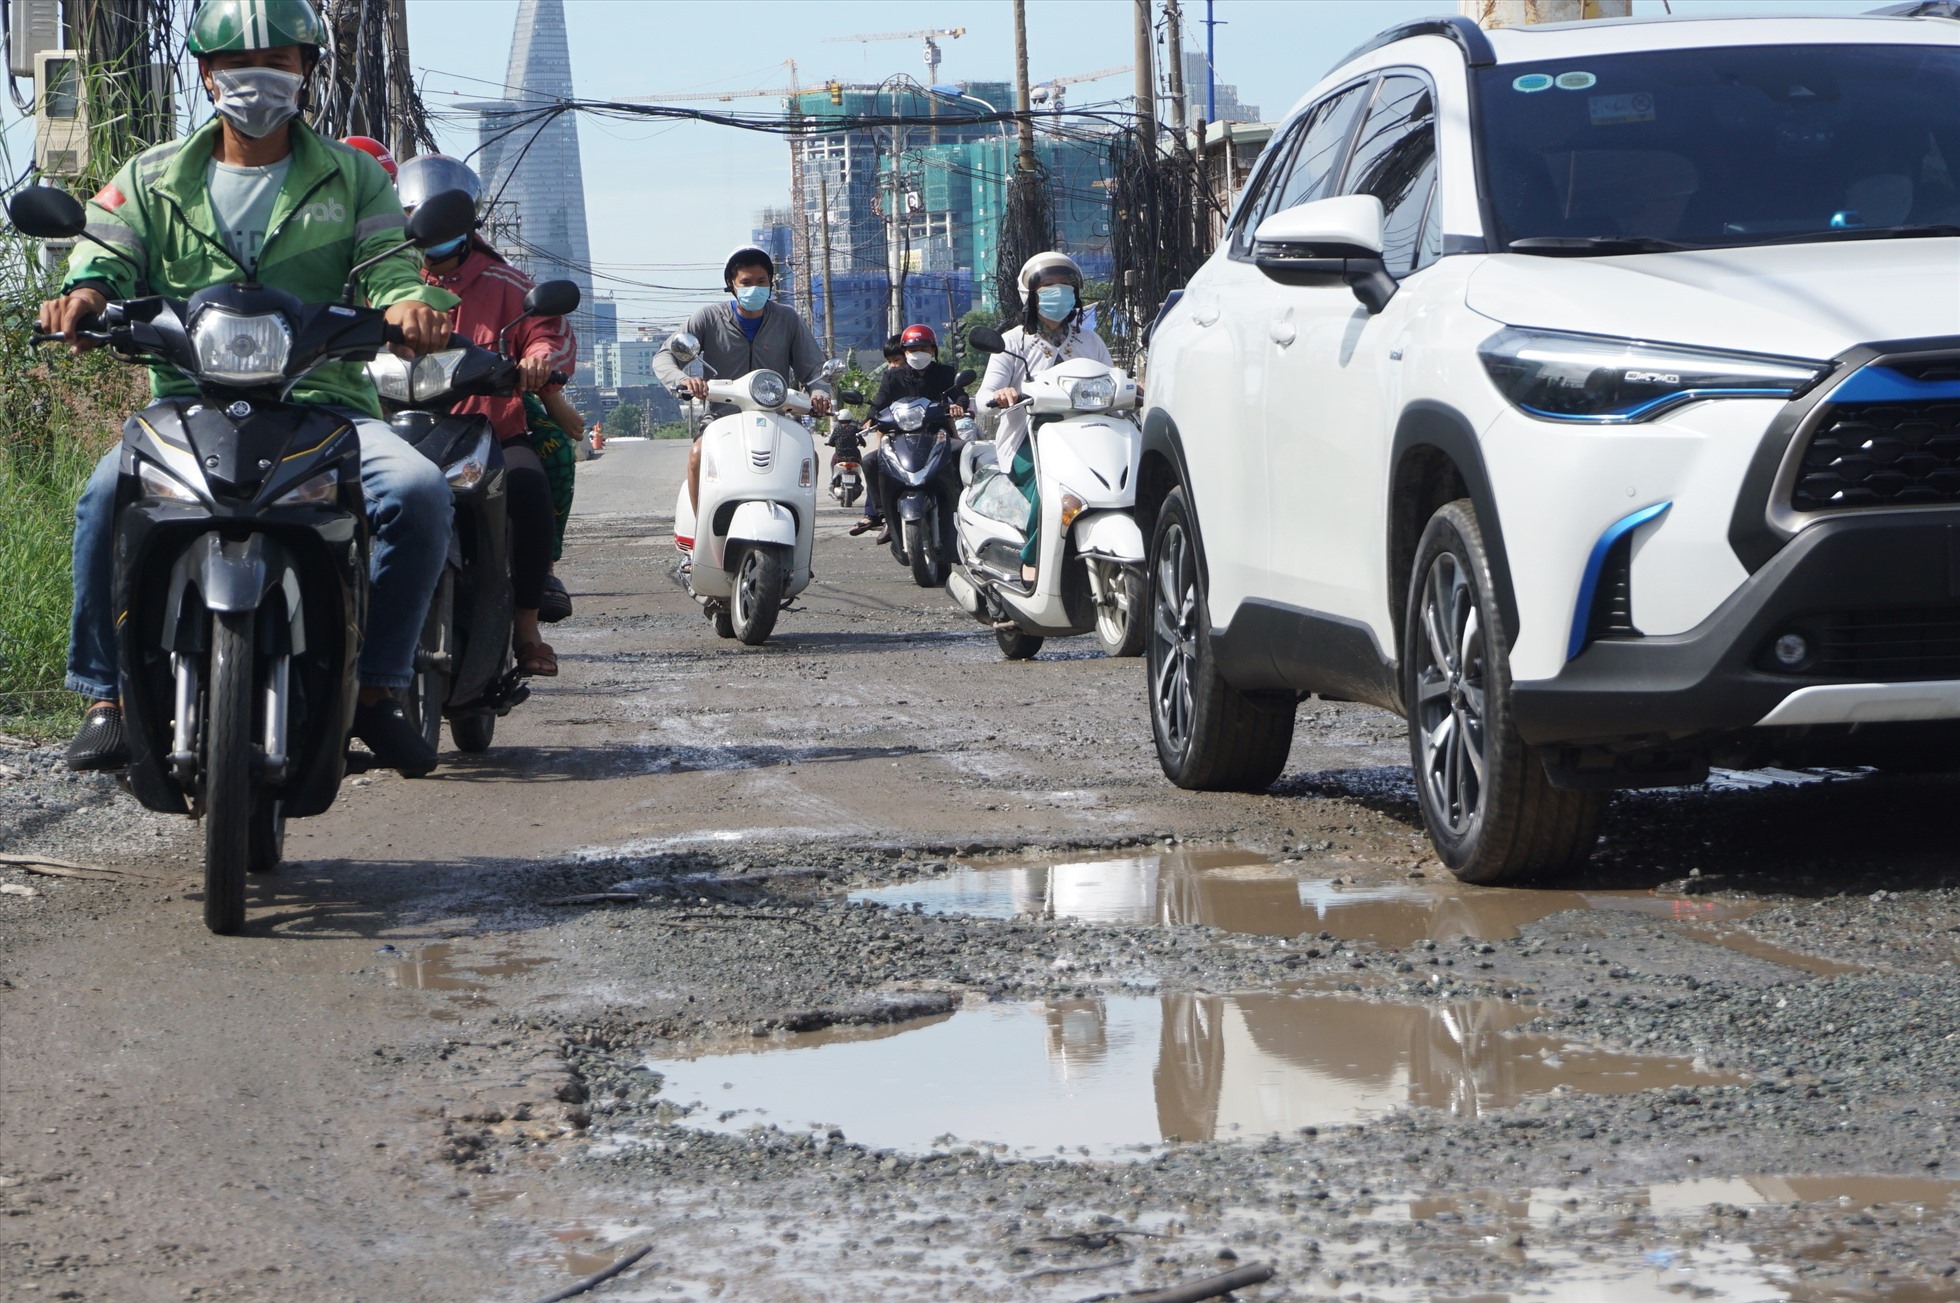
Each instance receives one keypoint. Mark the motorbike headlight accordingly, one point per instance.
(241, 350)
(321, 490)
(1092, 394)
(767, 389)
(1595, 380)
(435, 372)
(909, 414)
(160, 483)
(391, 377)
(469, 472)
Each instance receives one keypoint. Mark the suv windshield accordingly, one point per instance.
(1628, 153)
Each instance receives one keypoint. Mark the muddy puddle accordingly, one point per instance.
(1236, 891)
(464, 978)
(1098, 1076)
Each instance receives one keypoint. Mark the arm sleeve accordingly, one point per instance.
(1001, 370)
(806, 355)
(549, 338)
(379, 228)
(117, 217)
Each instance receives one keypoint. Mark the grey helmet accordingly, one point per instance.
(431, 174)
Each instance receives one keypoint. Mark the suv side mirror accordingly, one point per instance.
(552, 299)
(1339, 238)
(440, 218)
(47, 213)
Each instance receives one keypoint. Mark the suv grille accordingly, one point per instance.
(1882, 646)
(1882, 455)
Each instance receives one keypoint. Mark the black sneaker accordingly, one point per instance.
(557, 603)
(100, 743)
(396, 743)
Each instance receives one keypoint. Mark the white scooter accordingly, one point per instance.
(758, 499)
(1089, 574)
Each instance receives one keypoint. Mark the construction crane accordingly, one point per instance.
(931, 44)
(1049, 93)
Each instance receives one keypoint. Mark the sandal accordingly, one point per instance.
(537, 660)
(864, 526)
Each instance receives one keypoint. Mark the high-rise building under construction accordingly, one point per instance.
(529, 161)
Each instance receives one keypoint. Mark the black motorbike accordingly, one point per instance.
(241, 575)
(919, 458)
(846, 461)
(464, 668)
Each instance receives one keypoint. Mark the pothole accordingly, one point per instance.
(438, 967)
(1096, 1076)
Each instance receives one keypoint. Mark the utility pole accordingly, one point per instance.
(1174, 47)
(799, 221)
(1146, 80)
(402, 142)
(1023, 104)
(829, 294)
(1211, 64)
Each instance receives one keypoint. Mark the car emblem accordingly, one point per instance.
(239, 410)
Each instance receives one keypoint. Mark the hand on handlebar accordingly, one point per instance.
(423, 329)
(64, 318)
(533, 373)
(820, 404)
(1005, 396)
(696, 387)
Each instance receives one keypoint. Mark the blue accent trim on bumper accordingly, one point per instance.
(1654, 406)
(1589, 584)
(1881, 384)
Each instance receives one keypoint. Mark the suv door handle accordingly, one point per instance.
(1282, 332)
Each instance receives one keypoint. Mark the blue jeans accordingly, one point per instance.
(408, 511)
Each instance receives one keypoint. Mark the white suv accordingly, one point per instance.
(1587, 394)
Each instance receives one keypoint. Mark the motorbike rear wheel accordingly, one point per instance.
(429, 688)
(230, 770)
(1018, 644)
(760, 577)
(724, 622)
(473, 732)
(1120, 623)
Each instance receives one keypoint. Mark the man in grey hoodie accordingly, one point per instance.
(747, 333)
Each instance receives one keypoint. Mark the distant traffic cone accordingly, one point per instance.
(598, 437)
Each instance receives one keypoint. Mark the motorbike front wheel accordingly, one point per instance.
(1017, 644)
(1119, 617)
(928, 567)
(473, 732)
(760, 578)
(268, 835)
(230, 771)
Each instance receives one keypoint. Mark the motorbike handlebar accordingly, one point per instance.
(558, 378)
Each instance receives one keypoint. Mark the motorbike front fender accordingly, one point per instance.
(1111, 534)
(763, 522)
(916, 505)
(232, 576)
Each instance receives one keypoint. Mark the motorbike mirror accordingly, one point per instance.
(47, 213)
(835, 367)
(683, 347)
(441, 218)
(987, 340)
(965, 378)
(552, 299)
(851, 396)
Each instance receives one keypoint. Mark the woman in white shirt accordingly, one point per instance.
(1051, 332)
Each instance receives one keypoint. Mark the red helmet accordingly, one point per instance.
(369, 145)
(918, 337)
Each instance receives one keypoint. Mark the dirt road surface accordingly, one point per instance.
(864, 965)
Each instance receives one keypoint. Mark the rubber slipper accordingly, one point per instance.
(537, 660)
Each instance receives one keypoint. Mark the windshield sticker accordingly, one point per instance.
(1576, 81)
(1617, 110)
(1533, 82)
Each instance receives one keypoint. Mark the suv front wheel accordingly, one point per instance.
(1492, 812)
(1210, 736)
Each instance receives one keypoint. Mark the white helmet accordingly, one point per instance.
(431, 174)
(1043, 262)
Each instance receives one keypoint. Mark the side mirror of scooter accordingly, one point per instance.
(987, 340)
(440, 218)
(683, 347)
(965, 378)
(835, 367)
(46, 213)
(552, 299)
(851, 396)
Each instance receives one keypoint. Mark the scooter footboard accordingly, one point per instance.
(1110, 534)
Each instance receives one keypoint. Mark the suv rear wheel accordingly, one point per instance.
(1210, 736)
(1492, 813)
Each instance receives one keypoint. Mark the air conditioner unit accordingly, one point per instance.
(60, 115)
(32, 26)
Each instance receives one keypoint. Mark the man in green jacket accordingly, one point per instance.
(257, 195)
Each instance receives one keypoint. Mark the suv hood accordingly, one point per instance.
(1795, 300)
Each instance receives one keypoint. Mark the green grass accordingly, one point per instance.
(38, 488)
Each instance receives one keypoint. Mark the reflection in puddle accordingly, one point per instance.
(438, 968)
(1098, 1075)
(1230, 891)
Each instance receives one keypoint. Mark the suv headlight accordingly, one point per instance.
(241, 350)
(1595, 380)
(1092, 394)
(909, 414)
(767, 389)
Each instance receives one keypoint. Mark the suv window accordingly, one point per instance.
(1308, 172)
(1395, 160)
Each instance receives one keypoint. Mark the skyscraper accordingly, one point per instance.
(531, 162)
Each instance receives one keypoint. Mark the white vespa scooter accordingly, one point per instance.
(1086, 452)
(750, 556)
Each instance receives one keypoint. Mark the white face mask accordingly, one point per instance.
(918, 361)
(258, 101)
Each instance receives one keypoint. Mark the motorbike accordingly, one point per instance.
(918, 455)
(1089, 574)
(749, 554)
(464, 667)
(846, 461)
(241, 579)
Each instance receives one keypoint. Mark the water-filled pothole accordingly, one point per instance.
(438, 967)
(1093, 1076)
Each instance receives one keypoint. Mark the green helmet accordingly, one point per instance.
(220, 25)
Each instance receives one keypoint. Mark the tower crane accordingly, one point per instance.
(928, 36)
(1049, 93)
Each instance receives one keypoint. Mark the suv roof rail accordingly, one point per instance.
(1922, 9)
(1470, 38)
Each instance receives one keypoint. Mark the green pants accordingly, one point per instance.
(1021, 472)
(559, 453)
